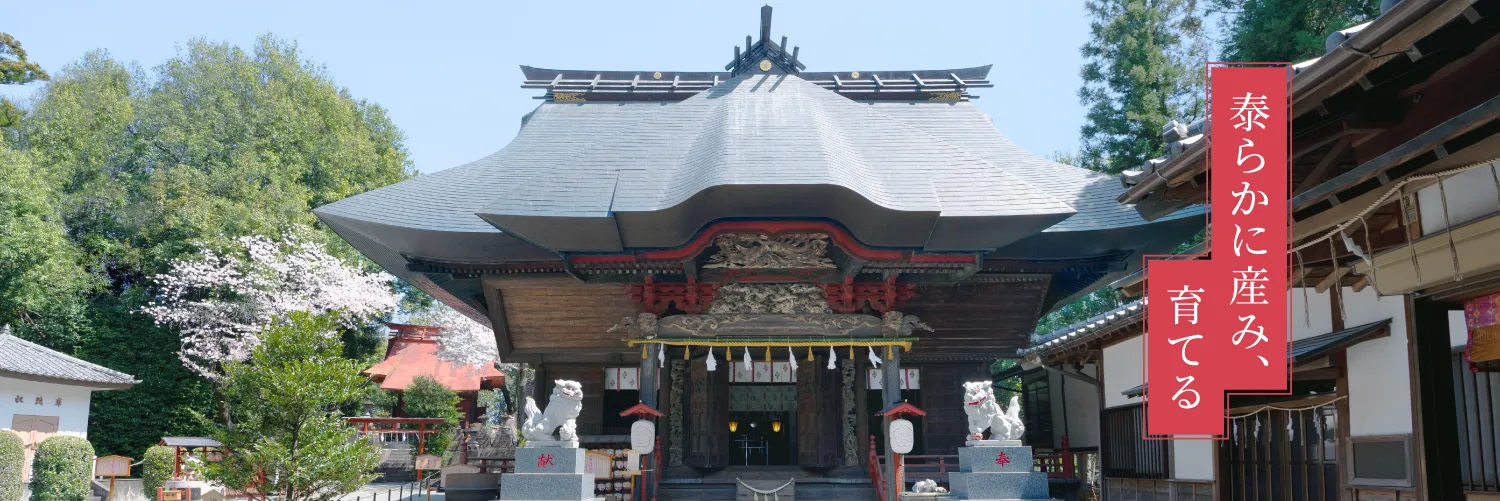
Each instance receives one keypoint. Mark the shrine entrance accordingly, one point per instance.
(762, 410)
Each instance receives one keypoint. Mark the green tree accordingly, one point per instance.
(1286, 30)
(15, 69)
(1098, 302)
(288, 429)
(428, 398)
(42, 278)
(1065, 157)
(61, 469)
(1144, 67)
(156, 468)
(137, 168)
(12, 461)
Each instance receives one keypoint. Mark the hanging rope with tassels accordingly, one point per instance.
(765, 494)
(1448, 228)
(1397, 188)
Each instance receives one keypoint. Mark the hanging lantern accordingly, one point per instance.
(734, 426)
(902, 436)
(776, 426)
(643, 436)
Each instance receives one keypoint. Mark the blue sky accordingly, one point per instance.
(448, 72)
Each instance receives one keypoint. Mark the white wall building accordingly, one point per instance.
(45, 393)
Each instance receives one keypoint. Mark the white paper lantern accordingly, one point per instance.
(901, 436)
(643, 436)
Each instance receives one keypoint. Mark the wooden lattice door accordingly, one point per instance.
(1277, 455)
(708, 399)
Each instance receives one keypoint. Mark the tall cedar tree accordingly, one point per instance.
(1286, 30)
(144, 167)
(1144, 67)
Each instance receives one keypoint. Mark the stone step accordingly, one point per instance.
(804, 492)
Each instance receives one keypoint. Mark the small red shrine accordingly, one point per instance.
(413, 351)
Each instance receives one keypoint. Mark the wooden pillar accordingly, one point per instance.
(890, 381)
(541, 388)
(648, 379)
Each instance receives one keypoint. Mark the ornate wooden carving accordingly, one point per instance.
(759, 250)
(691, 297)
(755, 325)
(884, 296)
(849, 419)
(819, 416)
(679, 371)
(780, 299)
(709, 401)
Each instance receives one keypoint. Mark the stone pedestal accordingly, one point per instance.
(997, 472)
(548, 474)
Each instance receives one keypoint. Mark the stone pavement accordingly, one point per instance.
(394, 491)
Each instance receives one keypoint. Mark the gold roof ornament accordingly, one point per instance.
(765, 65)
(854, 74)
(656, 75)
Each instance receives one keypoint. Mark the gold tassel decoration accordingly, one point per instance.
(809, 354)
(768, 353)
(851, 352)
(687, 352)
(644, 356)
(887, 352)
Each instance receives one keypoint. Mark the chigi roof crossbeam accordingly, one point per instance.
(764, 56)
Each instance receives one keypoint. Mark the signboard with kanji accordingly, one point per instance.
(111, 466)
(429, 462)
(1222, 324)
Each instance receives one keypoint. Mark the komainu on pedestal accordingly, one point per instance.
(562, 411)
(548, 469)
(999, 468)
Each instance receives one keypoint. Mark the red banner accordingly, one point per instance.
(1239, 334)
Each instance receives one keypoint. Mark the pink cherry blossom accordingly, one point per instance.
(219, 303)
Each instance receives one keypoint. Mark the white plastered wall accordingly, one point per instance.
(1458, 330)
(1078, 401)
(1122, 371)
(1379, 371)
(72, 414)
(1470, 194)
(1193, 460)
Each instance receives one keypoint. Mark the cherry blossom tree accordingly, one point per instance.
(463, 340)
(221, 302)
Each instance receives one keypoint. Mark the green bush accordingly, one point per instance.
(156, 468)
(427, 398)
(60, 471)
(12, 461)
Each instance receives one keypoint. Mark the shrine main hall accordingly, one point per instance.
(739, 249)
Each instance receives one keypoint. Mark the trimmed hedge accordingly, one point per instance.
(12, 461)
(156, 468)
(61, 469)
